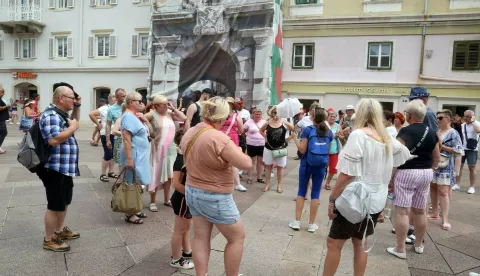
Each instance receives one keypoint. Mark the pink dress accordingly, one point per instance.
(233, 133)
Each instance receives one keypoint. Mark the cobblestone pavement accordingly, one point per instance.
(109, 246)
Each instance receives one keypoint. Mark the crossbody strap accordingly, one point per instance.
(465, 128)
(234, 118)
(190, 144)
(421, 140)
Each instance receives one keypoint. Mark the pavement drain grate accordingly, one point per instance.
(21, 174)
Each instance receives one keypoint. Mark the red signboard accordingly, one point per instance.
(24, 75)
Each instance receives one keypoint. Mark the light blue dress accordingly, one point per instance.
(140, 149)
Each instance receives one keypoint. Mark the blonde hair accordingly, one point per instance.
(124, 107)
(159, 99)
(215, 109)
(256, 109)
(271, 110)
(369, 113)
(131, 96)
(111, 95)
(417, 109)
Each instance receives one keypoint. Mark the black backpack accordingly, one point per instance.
(34, 150)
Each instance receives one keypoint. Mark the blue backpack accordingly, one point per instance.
(318, 149)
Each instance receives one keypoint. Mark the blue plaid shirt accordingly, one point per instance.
(64, 157)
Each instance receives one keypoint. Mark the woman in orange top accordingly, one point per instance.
(209, 157)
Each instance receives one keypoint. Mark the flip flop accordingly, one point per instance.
(279, 190)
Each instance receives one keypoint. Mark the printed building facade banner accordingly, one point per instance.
(233, 47)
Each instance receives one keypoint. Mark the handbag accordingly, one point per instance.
(354, 205)
(127, 198)
(444, 158)
(471, 143)
(25, 123)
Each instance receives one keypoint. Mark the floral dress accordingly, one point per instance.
(445, 176)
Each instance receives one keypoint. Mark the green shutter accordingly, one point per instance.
(300, 2)
(466, 55)
(473, 60)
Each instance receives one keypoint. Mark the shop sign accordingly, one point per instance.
(368, 90)
(24, 75)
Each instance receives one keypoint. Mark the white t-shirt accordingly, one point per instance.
(471, 133)
(103, 117)
(392, 131)
(305, 122)
(244, 114)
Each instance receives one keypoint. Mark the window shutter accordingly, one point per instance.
(70, 3)
(93, 3)
(460, 55)
(1, 49)
(36, 3)
(473, 61)
(33, 54)
(91, 46)
(113, 45)
(136, 1)
(51, 4)
(51, 47)
(113, 2)
(69, 47)
(11, 3)
(135, 45)
(16, 48)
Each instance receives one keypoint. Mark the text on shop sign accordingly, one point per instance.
(24, 75)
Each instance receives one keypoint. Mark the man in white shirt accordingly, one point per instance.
(470, 130)
(107, 161)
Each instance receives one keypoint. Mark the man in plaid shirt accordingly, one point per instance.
(57, 176)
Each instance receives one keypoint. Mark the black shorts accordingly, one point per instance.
(58, 187)
(253, 151)
(342, 229)
(107, 153)
(179, 205)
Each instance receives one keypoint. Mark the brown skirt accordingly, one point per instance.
(342, 229)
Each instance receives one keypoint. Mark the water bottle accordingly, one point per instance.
(389, 205)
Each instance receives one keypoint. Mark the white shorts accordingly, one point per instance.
(268, 159)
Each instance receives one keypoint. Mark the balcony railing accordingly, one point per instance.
(26, 12)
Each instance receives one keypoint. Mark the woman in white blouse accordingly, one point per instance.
(369, 156)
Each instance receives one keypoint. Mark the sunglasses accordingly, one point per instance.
(440, 118)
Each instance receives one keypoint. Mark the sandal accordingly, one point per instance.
(112, 175)
(249, 181)
(153, 207)
(141, 215)
(104, 178)
(328, 188)
(137, 221)
(266, 189)
(168, 203)
(279, 190)
(93, 144)
(259, 180)
(433, 217)
(446, 226)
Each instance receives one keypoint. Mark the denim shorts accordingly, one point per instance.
(215, 207)
(471, 157)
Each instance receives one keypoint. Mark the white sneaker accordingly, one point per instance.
(10, 123)
(240, 188)
(295, 225)
(182, 263)
(419, 250)
(392, 251)
(471, 190)
(473, 274)
(455, 187)
(312, 228)
(18, 123)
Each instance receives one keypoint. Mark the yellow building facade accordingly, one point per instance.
(339, 51)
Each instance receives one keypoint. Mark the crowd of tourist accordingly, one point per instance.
(203, 148)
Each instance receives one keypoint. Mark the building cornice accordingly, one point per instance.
(362, 84)
(295, 23)
(76, 69)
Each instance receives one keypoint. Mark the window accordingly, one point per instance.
(102, 45)
(141, 1)
(104, 3)
(60, 4)
(60, 47)
(25, 48)
(140, 45)
(303, 55)
(300, 2)
(1, 49)
(466, 55)
(380, 55)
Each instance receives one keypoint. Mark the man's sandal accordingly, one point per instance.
(104, 178)
(137, 221)
(112, 175)
(260, 180)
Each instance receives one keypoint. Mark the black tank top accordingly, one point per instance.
(196, 116)
(275, 137)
